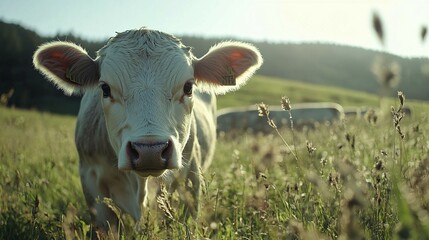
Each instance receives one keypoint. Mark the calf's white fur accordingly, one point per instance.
(148, 110)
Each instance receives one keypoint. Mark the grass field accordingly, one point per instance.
(354, 179)
(270, 90)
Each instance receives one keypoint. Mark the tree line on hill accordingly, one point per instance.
(325, 64)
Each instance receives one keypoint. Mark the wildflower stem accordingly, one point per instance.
(263, 110)
(293, 134)
(284, 141)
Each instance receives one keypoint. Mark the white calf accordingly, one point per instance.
(153, 111)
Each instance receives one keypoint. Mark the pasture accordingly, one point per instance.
(354, 179)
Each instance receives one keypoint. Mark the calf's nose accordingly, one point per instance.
(149, 155)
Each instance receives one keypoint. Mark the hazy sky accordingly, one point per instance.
(335, 21)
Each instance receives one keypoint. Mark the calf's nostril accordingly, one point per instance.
(167, 152)
(133, 154)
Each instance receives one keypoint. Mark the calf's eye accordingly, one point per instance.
(187, 88)
(106, 90)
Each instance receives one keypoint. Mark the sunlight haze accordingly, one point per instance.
(343, 22)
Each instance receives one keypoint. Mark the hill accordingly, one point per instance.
(322, 64)
(332, 65)
(270, 90)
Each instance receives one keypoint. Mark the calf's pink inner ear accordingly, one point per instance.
(60, 64)
(236, 56)
(228, 64)
(67, 65)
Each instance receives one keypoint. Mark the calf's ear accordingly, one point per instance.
(227, 66)
(67, 65)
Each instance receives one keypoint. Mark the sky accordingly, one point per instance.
(345, 22)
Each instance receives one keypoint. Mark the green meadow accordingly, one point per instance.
(358, 178)
(270, 90)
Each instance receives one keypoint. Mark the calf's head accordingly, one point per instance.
(146, 81)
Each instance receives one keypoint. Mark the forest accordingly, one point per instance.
(317, 63)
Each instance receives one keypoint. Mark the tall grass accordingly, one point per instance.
(354, 179)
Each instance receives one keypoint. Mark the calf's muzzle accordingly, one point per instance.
(150, 155)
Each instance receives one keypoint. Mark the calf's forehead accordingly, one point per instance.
(151, 41)
(152, 54)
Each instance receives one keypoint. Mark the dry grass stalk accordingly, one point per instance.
(263, 111)
(35, 208)
(378, 27)
(351, 139)
(4, 98)
(371, 116)
(387, 74)
(164, 203)
(423, 33)
(286, 103)
(398, 114)
(310, 147)
(113, 233)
